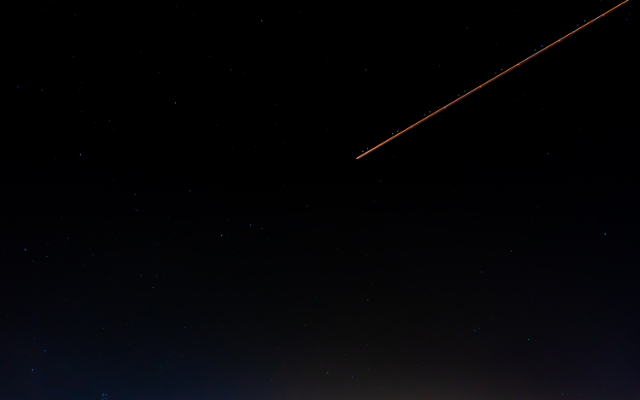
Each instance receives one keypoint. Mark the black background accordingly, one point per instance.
(184, 217)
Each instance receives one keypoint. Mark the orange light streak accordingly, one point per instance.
(491, 80)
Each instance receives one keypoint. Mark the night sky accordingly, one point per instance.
(184, 216)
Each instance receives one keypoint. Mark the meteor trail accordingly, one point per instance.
(491, 80)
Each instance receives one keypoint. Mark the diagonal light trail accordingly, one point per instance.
(491, 80)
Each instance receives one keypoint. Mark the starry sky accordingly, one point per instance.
(184, 216)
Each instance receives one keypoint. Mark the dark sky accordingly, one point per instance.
(184, 217)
